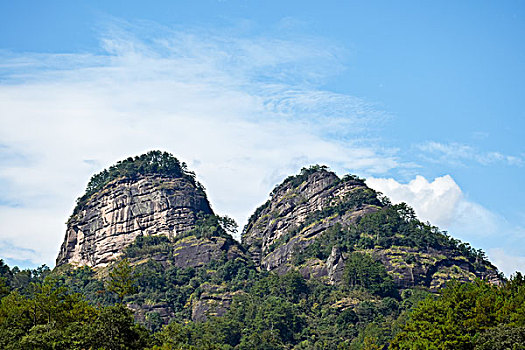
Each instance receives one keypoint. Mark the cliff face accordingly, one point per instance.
(152, 211)
(125, 208)
(201, 255)
(311, 222)
(293, 218)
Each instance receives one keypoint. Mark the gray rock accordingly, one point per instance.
(283, 227)
(335, 265)
(125, 209)
(268, 236)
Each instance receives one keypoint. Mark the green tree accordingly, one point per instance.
(122, 279)
(502, 337)
(452, 320)
(361, 270)
(115, 329)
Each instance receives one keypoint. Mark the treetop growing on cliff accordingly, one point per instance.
(151, 163)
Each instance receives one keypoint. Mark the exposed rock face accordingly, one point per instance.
(126, 208)
(212, 302)
(312, 222)
(192, 252)
(335, 265)
(430, 267)
(303, 208)
(292, 218)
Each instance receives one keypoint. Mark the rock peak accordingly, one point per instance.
(287, 222)
(315, 221)
(150, 194)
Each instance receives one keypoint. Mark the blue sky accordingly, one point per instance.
(422, 98)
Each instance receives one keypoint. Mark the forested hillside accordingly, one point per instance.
(41, 309)
(325, 263)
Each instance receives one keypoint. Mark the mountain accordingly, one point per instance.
(315, 220)
(149, 195)
(325, 263)
(151, 211)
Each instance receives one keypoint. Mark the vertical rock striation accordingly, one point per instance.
(301, 209)
(111, 218)
(312, 223)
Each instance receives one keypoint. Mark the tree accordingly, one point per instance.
(453, 320)
(502, 337)
(122, 279)
(114, 329)
(362, 270)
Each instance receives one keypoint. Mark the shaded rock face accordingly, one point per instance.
(287, 224)
(298, 214)
(194, 252)
(431, 268)
(335, 265)
(126, 208)
(197, 252)
(142, 311)
(213, 301)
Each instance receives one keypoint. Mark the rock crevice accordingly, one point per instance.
(126, 208)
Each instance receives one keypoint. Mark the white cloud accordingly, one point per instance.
(26, 234)
(443, 203)
(507, 263)
(457, 153)
(245, 112)
(433, 201)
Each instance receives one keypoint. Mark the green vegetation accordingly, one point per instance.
(468, 316)
(357, 200)
(363, 271)
(271, 312)
(45, 314)
(206, 226)
(390, 226)
(244, 308)
(296, 180)
(153, 162)
(122, 279)
(163, 283)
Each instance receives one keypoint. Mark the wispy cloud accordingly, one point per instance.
(244, 110)
(459, 154)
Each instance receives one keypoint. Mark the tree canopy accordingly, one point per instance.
(150, 163)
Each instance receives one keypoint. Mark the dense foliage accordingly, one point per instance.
(271, 312)
(469, 316)
(362, 270)
(153, 162)
(145, 301)
(390, 226)
(43, 313)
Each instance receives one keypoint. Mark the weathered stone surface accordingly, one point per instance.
(289, 208)
(295, 217)
(126, 208)
(214, 301)
(430, 267)
(196, 252)
(335, 265)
